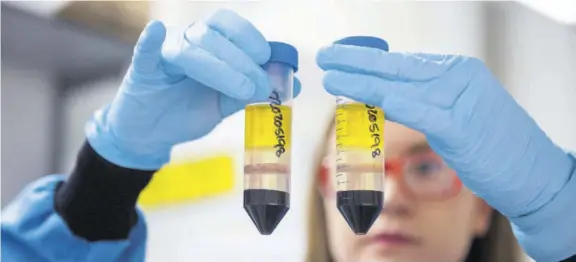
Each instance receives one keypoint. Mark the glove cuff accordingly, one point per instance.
(98, 202)
(549, 234)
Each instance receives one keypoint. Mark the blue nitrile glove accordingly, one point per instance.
(181, 84)
(469, 119)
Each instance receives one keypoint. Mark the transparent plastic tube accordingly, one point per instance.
(268, 144)
(359, 154)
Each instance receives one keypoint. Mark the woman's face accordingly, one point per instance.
(413, 226)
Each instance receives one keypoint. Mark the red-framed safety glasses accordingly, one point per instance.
(423, 175)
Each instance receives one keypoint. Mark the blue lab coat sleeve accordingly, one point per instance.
(89, 217)
(550, 232)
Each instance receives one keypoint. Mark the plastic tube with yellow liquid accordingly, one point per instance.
(360, 154)
(268, 143)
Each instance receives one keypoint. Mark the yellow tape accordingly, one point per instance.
(180, 182)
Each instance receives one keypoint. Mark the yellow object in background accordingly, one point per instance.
(181, 182)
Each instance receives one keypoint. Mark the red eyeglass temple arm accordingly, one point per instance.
(393, 165)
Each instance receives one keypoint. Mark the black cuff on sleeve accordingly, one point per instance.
(98, 201)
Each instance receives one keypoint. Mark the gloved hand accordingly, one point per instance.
(180, 85)
(469, 119)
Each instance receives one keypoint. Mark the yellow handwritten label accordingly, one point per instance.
(360, 126)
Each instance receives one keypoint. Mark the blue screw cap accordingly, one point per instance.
(284, 53)
(366, 41)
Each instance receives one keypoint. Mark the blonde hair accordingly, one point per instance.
(498, 245)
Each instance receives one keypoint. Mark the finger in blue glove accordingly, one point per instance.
(181, 84)
(468, 118)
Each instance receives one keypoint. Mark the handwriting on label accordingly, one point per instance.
(278, 123)
(374, 130)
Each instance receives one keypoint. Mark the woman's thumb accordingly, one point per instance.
(148, 49)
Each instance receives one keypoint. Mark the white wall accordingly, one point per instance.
(537, 61)
(27, 126)
(219, 230)
(79, 103)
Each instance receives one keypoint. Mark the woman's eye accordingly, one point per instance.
(425, 168)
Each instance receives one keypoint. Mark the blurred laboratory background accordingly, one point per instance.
(61, 60)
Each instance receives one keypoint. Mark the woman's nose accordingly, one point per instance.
(397, 202)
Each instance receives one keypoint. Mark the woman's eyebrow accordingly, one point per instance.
(419, 148)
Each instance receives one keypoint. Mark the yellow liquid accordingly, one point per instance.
(359, 147)
(267, 148)
(268, 127)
